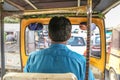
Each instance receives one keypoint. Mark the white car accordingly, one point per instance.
(95, 47)
(77, 44)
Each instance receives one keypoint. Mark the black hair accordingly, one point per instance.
(83, 23)
(59, 29)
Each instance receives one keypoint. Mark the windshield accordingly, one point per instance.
(39, 39)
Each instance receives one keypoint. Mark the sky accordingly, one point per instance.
(112, 18)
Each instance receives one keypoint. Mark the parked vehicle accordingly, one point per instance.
(77, 43)
(95, 47)
(113, 55)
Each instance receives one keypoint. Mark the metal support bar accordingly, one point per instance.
(78, 3)
(89, 16)
(78, 6)
(81, 9)
(2, 41)
(31, 4)
(1, 1)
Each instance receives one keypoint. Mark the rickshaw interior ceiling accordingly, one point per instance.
(25, 5)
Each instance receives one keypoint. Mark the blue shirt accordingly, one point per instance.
(57, 59)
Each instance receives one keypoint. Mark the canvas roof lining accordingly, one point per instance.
(22, 5)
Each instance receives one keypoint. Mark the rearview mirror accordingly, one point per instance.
(35, 26)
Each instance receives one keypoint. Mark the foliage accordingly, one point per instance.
(11, 20)
(51, 15)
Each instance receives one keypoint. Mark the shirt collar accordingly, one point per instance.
(58, 45)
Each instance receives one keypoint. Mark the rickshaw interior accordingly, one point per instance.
(34, 17)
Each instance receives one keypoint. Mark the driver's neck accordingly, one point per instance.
(53, 42)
